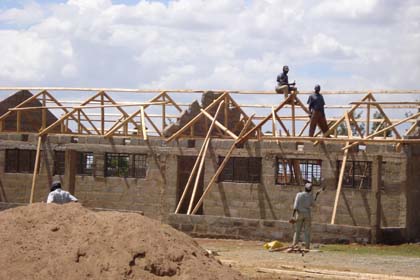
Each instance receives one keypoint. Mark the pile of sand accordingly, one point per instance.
(48, 241)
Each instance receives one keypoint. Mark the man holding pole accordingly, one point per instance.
(302, 207)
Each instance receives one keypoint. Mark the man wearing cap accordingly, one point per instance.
(316, 107)
(283, 85)
(302, 207)
(57, 195)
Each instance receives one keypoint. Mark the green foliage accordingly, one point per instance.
(375, 125)
(342, 127)
(408, 250)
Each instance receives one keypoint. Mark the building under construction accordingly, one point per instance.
(210, 164)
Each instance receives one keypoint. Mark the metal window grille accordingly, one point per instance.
(241, 170)
(288, 171)
(59, 162)
(357, 174)
(125, 165)
(86, 161)
(139, 166)
(20, 161)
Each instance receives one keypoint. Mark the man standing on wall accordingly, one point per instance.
(57, 195)
(316, 107)
(283, 85)
(302, 207)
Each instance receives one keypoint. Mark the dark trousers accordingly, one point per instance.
(318, 118)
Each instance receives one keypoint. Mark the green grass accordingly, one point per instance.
(406, 250)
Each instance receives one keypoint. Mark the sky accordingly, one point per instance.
(217, 44)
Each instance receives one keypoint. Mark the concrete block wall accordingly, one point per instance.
(256, 229)
(156, 195)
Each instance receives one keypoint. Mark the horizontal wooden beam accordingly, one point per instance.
(325, 92)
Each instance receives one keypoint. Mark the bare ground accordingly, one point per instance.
(254, 261)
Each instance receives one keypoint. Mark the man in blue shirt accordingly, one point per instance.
(316, 107)
(283, 85)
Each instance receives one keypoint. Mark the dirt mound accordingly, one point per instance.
(49, 241)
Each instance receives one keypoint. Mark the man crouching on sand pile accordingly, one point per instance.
(57, 195)
(302, 206)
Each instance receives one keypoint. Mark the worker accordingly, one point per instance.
(316, 107)
(283, 85)
(302, 207)
(57, 195)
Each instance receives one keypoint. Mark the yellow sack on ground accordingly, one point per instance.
(273, 245)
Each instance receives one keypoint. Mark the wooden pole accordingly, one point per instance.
(221, 126)
(382, 130)
(181, 200)
(293, 115)
(191, 123)
(44, 113)
(36, 167)
(274, 128)
(200, 154)
(163, 113)
(267, 118)
(143, 123)
(222, 165)
(339, 185)
(376, 200)
(367, 120)
(102, 114)
(18, 121)
(198, 176)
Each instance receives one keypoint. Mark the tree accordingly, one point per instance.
(342, 127)
(375, 125)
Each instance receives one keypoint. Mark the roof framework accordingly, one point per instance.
(288, 121)
(101, 115)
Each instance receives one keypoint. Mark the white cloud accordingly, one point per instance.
(29, 14)
(324, 45)
(239, 44)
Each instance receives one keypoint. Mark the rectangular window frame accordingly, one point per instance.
(86, 163)
(59, 162)
(241, 170)
(311, 171)
(125, 165)
(20, 161)
(355, 176)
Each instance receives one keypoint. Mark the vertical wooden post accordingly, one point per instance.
(293, 115)
(367, 121)
(226, 123)
(79, 127)
(36, 168)
(44, 113)
(376, 200)
(71, 157)
(274, 128)
(221, 166)
(340, 183)
(143, 123)
(18, 120)
(102, 115)
(164, 112)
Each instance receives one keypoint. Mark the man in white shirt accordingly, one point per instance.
(57, 195)
(302, 206)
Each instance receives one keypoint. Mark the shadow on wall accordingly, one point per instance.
(262, 198)
(3, 197)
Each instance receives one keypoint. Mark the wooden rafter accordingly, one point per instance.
(198, 164)
(221, 166)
